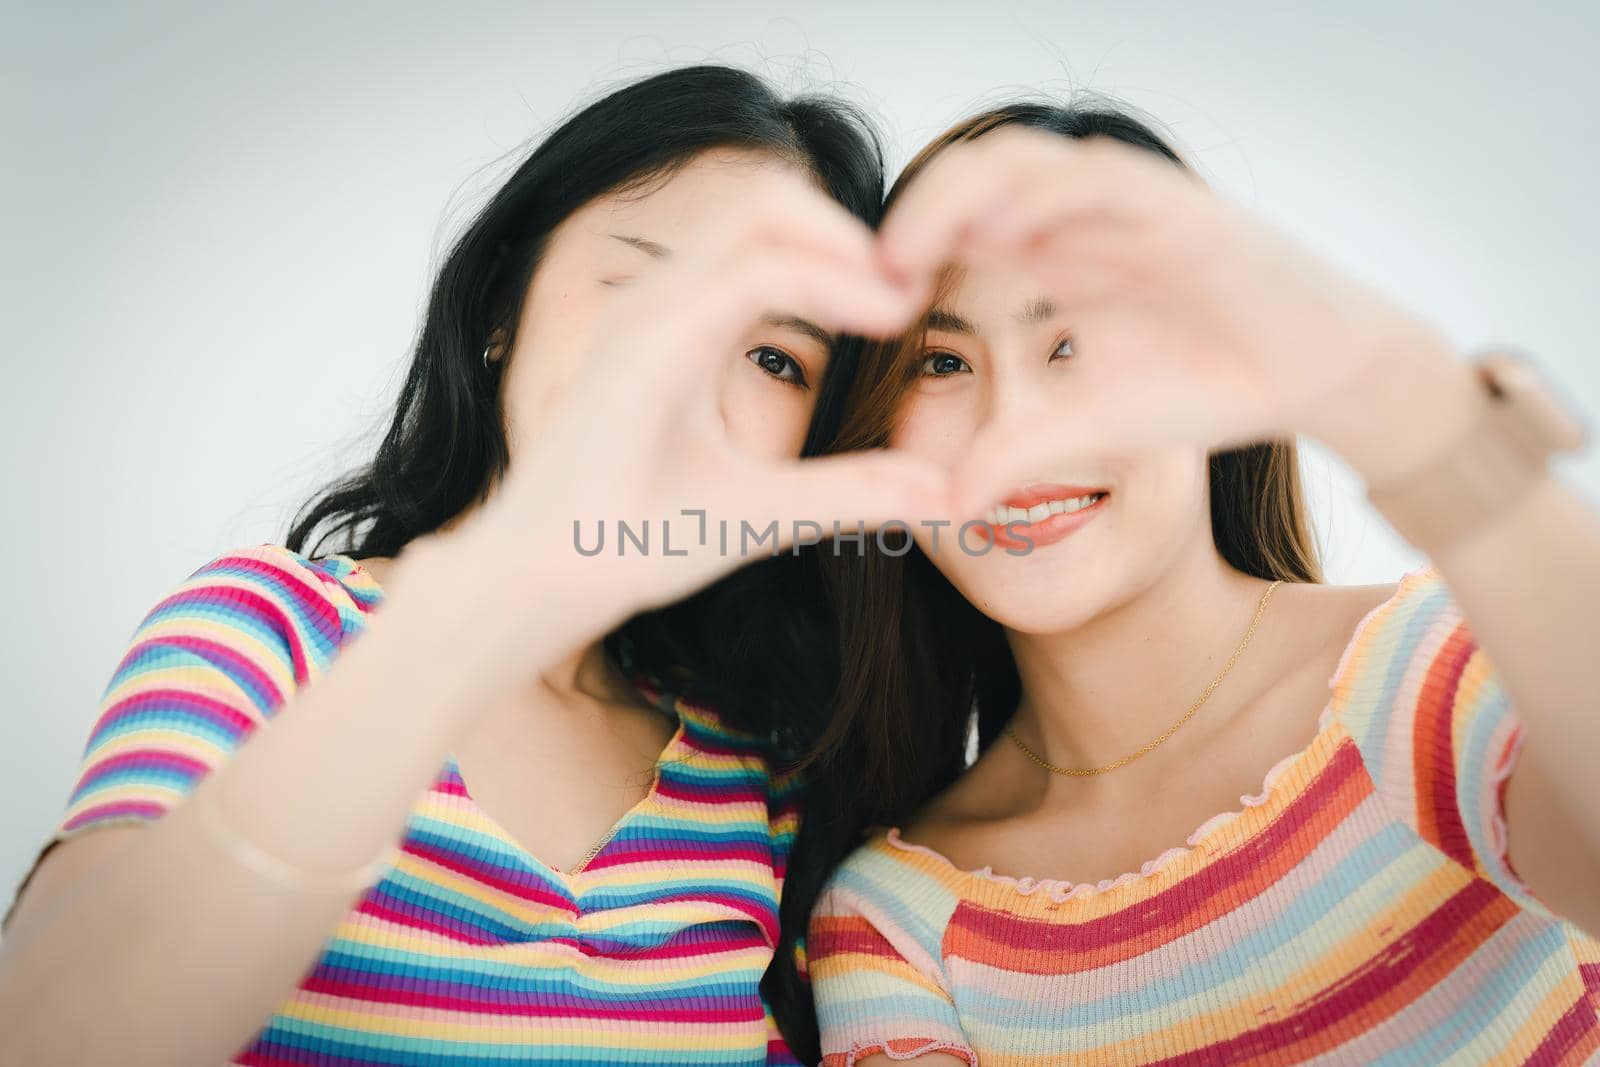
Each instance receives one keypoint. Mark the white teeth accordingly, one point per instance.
(1002, 515)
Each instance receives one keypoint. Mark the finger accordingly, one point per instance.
(924, 228)
(1061, 208)
(1086, 270)
(853, 492)
(668, 333)
(1102, 182)
(987, 207)
(718, 305)
(794, 213)
(858, 265)
(964, 187)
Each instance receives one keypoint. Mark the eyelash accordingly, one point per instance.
(927, 362)
(790, 363)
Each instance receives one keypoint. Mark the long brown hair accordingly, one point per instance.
(918, 661)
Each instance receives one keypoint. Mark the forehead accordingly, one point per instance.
(993, 297)
(674, 205)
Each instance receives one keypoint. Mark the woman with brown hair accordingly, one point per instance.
(1221, 811)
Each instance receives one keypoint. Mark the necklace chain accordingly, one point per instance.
(1085, 772)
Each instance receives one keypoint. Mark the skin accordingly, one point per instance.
(1194, 326)
(580, 726)
(1004, 357)
(486, 644)
(1141, 584)
(487, 609)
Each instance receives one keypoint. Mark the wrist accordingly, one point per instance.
(1412, 399)
(485, 607)
(1482, 471)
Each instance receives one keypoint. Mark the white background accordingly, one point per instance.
(219, 224)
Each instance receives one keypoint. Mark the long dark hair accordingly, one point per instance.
(919, 662)
(760, 645)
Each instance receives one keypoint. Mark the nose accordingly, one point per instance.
(1016, 391)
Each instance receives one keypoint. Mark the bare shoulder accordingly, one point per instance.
(965, 820)
(1326, 595)
(1330, 614)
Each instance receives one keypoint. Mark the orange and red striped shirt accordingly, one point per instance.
(1359, 909)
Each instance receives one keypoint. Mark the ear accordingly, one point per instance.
(499, 344)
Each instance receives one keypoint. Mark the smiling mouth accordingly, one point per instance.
(1043, 514)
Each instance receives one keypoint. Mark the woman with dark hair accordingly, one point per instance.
(1113, 371)
(536, 805)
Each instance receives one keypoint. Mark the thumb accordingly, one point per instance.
(854, 491)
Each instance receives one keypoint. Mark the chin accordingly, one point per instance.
(1038, 596)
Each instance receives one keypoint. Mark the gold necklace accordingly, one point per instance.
(1085, 772)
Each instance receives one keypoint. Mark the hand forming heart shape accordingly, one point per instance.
(1202, 324)
(1207, 327)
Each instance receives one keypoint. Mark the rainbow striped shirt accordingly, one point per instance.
(469, 950)
(1359, 910)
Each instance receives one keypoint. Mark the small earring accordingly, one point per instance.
(486, 357)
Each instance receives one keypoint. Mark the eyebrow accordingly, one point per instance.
(643, 244)
(1037, 310)
(948, 321)
(805, 326)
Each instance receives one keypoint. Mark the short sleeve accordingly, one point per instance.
(208, 664)
(1435, 726)
(876, 988)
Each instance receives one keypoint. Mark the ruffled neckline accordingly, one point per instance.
(1289, 768)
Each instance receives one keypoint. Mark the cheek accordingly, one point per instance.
(764, 417)
(1159, 510)
(1164, 493)
(555, 335)
(1161, 514)
(939, 428)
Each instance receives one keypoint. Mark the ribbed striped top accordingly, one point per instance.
(469, 950)
(1359, 910)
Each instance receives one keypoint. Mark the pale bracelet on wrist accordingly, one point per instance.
(1519, 423)
(256, 859)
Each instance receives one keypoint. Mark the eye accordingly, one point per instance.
(778, 363)
(1062, 350)
(940, 364)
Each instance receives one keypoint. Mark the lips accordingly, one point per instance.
(1044, 492)
(1043, 514)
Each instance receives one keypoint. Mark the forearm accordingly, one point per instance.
(1529, 583)
(168, 951)
(1527, 579)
